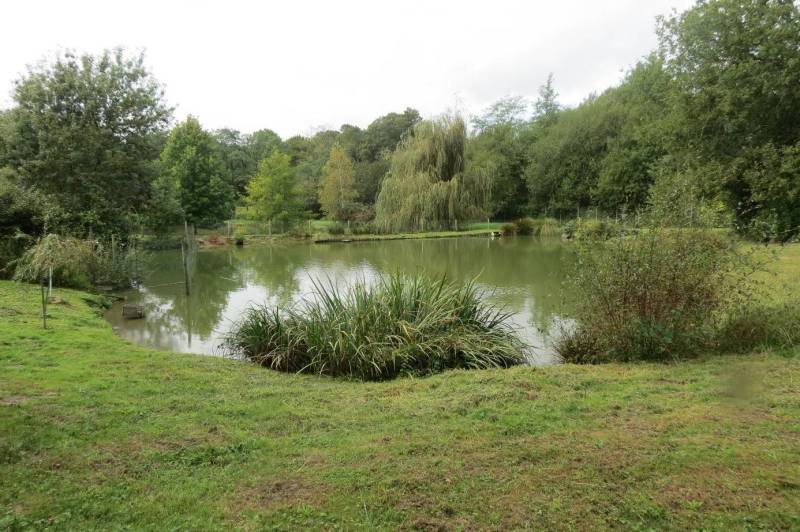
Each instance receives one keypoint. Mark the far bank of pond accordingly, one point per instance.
(522, 274)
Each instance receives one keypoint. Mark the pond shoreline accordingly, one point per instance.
(228, 280)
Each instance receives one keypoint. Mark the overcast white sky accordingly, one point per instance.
(297, 65)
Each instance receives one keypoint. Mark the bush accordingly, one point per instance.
(336, 228)
(525, 226)
(80, 263)
(656, 295)
(591, 229)
(362, 228)
(400, 326)
(761, 325)
(568, 230)
(532, 226)
(509, 229)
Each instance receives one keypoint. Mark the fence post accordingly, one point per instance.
(44, 305)
(185, 250)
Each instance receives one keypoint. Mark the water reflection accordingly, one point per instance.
(523, 274)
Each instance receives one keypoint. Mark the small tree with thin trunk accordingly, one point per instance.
(338, 193)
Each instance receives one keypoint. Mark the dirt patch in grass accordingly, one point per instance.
(277, 494)
(716, 489)
(13, 400)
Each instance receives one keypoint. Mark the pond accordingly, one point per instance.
(523, 275)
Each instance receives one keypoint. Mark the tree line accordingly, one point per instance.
(711, 119)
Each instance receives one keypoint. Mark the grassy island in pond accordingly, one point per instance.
(401, 325)
(96, 433)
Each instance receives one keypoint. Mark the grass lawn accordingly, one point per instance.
(96, 433)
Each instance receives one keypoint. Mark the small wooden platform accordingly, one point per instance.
(132, 312)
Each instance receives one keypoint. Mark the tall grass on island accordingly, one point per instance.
(400, 325)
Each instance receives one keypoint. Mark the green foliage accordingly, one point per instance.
(761, 325)
(654, 295)
(24, 214)
(191, 161)
(401, 326)
(532, 227)
(497, 153)
(67, 258)
(336, 228)
(384, 133)
(676, 200)
(337, 194)
(602, 152)
(772, 175)
(235, 156)
(426, 187)
(164, 210)
(591, 229)
(81, 263)
(274, 194)
(524, 226)
(83, 133)
(737, 66)
(546, 107)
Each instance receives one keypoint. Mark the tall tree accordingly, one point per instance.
(191, 160)
(337, 194)
(497, 152)
(260, 145)
(737, 68)
(235, 157)
(83, 133)
(426, 187)
(274, 194)
(546, 106)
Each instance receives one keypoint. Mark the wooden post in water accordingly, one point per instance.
(185, 250)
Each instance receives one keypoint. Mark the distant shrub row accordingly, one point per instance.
(532, 226)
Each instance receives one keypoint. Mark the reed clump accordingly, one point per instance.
(400, 325)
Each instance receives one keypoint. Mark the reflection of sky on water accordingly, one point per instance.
(521, 275)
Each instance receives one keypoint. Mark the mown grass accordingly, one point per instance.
(98, 434)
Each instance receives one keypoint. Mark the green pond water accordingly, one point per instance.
(524, 275)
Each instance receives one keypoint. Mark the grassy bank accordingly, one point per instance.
(96, 433)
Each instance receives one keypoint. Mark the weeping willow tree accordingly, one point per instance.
(426, 187)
